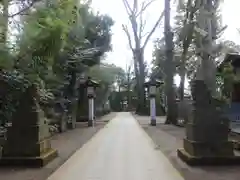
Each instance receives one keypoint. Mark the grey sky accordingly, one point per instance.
(121, 54)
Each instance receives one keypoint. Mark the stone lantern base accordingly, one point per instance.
(206, 141)
(153, 122)
(43, 158)
(205, 160)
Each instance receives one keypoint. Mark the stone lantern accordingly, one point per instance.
(28, 139)
(91, 88)
(152, 90)
(207, 131)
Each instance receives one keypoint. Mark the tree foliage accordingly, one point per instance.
(56, 42)
(107, 75)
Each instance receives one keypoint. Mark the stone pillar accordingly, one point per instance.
(28, 139)
(62, 117)
(153, 111)
(90, 111)
(72, 114)
(206, 139)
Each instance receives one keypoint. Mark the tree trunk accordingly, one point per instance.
(169, 67)
(141, 80)
(182, 78)
(171, 103)
(136, 70)
(182, 86)
(70, 90)
(128, 93)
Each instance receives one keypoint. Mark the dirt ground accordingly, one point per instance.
(168, 139)
(66, 144)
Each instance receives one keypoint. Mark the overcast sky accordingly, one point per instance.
(121, 54)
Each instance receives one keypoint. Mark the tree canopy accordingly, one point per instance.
(55, 43)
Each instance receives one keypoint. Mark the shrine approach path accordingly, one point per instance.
(120, 151)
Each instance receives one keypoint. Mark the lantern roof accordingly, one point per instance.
(90, 82)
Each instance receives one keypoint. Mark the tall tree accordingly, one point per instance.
(135, 14)
(169, 68)
(184, 37)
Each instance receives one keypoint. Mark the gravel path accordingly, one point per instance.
(66, 143)
(168, 139)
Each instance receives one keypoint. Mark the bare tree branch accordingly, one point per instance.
(142, 26)
(132, 17)
(129, 10)
(153, 29)
(135, 6)
(144, 7)
(134, 24)
(125, 29)
(145, 34)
